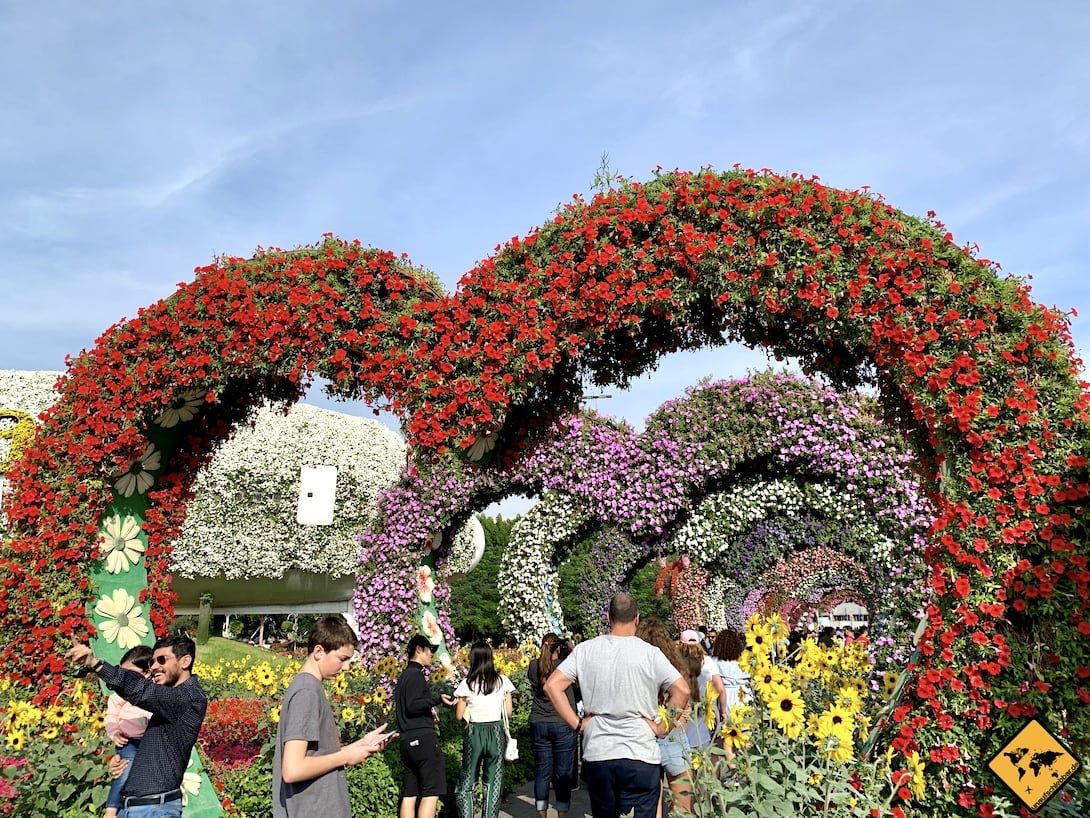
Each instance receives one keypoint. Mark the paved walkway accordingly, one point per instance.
(520, 804)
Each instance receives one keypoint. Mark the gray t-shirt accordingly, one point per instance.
(620, 678)
(305, 715)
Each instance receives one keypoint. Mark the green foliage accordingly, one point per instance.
(773, 779)
(579, 565)
(374, 787)
(642, 589)
(475, 597)
(61, 780)
(250, 789)
(220, 650)
(572, 572)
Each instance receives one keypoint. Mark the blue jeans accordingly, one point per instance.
(554, 758)
(619, 786)
(171, 809)
(127, 752)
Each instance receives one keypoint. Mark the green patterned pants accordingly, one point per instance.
(482, 748)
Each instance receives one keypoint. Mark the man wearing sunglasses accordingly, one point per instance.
(177, 704)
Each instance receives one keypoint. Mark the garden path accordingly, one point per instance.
(520, 804)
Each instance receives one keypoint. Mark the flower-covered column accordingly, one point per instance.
(120, 575)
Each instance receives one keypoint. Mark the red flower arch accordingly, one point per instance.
(983, 379)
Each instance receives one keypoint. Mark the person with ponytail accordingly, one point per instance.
(674, 746)
(554, 741)
(484, 696)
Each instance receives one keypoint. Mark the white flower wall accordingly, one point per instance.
(242, 522)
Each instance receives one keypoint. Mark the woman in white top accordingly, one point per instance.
(727, 648)
(483, 697)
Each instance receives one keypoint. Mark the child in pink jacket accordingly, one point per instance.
(125, 724)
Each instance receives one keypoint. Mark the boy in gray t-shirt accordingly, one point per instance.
(308, 762)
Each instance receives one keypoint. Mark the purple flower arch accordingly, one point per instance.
(637, 488)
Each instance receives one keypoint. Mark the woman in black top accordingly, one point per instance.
(553, 740)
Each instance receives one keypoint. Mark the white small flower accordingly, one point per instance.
(124, 622)
(183, 408)
(119, 543)
(136, 478)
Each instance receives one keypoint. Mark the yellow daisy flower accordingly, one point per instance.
(834, 743)
(16, 739)
(768, 677)
(889, 683)
(758, 640)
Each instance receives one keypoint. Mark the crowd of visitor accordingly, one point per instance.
(619, 705)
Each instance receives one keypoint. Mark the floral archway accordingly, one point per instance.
(831, 473)
(984, 379)
(643, 494)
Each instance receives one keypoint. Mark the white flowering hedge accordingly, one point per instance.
(833, 475)
(710, 536)
(528, 583)
(242, 521)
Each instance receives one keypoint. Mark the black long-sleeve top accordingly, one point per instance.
(176, 717)
(414, 700)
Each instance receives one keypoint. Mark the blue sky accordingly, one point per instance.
(143, 139)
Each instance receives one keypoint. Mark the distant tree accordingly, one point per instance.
(643, 591)
(474, 597)
(572, 573)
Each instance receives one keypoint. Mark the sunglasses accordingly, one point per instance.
(162, 659)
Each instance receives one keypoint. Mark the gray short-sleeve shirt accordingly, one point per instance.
(305, 715)
(620, 678)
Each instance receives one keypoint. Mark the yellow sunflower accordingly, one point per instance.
(837, 717)
(787, 710)
(849, 698)
(776, 627)
(834, 743)
(758, 639)
(915, 764)
(711, 712)
(769, 677)
(734, 736)
(889, 683)
(752, 663)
